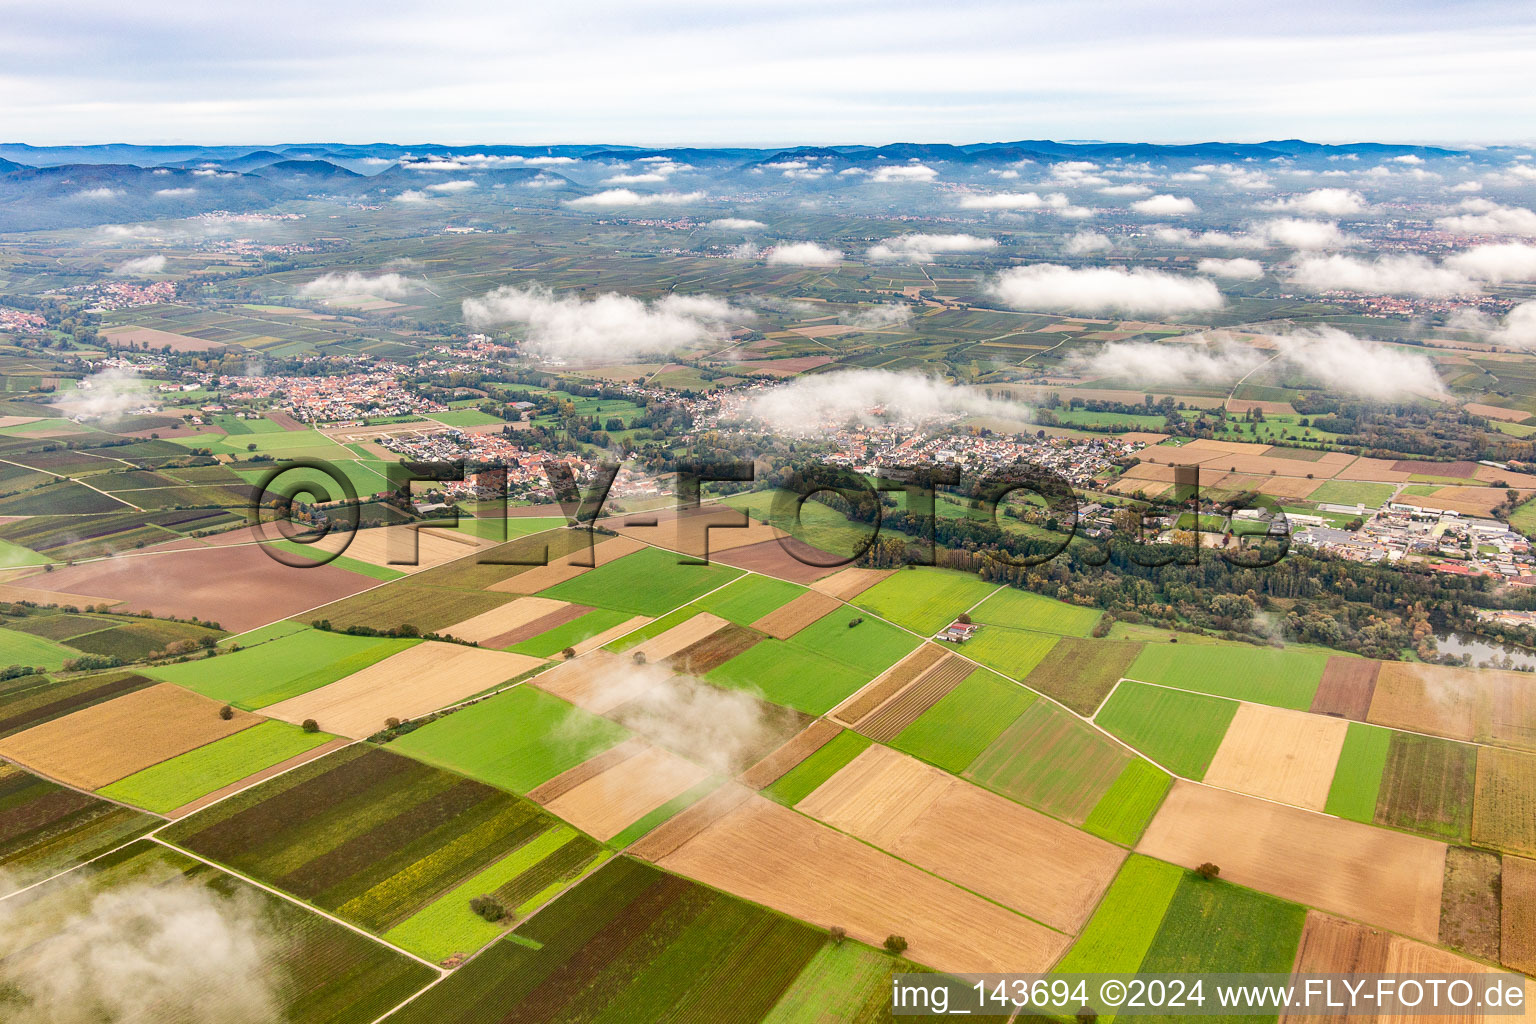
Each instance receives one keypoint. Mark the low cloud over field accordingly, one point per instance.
(383, 286)
(921, 248)
(106, 397)
(869, 397)
(1054, 202)
(1510, 261)
(883, 314)
(1165, 206)
(1387, 275)
(805, 254)
(141, 266)
(1135, 292)
(1482, 217)
(1325, 356)
(616, 198)
(1329, 202)
(1516, 330)
(608, 328)
(1236, 270)
(139, 953)
(736, 224)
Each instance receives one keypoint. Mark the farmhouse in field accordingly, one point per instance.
(957, 632)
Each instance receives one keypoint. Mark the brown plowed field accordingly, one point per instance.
(582, 682)
(410, 684)
(588, 769)
(703, 533)
(887, 685)
(714, 650)
(773, 767)
(1346, 688)
(788, 560)
(605, 804)
(772, 855)
(1360, 871)
(968, 835)
(543, 624)
(783, 623)
(686, 824)
(1331, 945)
(886, 722)
(504, 618)
(101, 744)
(1289, 756)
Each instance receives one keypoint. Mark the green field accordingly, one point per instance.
(265, 673)
(1352, 492)
(1080, 673)
(790, 676)
(517, 739)
(46, 828)
(1427, 785)
(820, 526)
(1021, 609)
(1357, 779)
(965, 721)
(552, 642)
(370, 836)
(924, 600)
(311, 970)
(1117, 937)
(535, 872)
(750, 598)
(630, 943)
(801, 780)
(1052, 761)
(170, 784)
(1181, 731)
(25, 649)
(1013, 652)
(655, 627)
(1282, 678)
(648, 582)
(1124, 811)
(871, 647)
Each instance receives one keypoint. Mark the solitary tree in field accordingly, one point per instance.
(226, 712)
(639, 657)
(839, 933)
(568, 653)
(1207, 871)
(310, 725)
(895, 945)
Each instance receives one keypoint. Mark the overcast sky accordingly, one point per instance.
(812, 71)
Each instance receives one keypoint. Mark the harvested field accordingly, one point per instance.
(1050, 760)
(1518, 899)
(567, 567)
(968, 835)
(152, 338)
(787, 559)
(1332, 945)
(1287, 756)
(1407, 957)
(410, 549)
(900, 711)
(1485, 705)
(847, 584)
(508, 617)
(688, 633)
(771, 855)
(1379, 470)
(680, 829)
(195, 584)
(551, 634)
(1370, 874)
(1427, 785)
(888, 684)
(703, 532)
(1471, 501)
(593, 643)
(414, 682)
(604, 804)
(104, 743)
(1505, 813)
(1457, 469)
(785, 622)
(1469, 905)
(714, 650)
(588, 769)
(1121, 930)
(581, 682)
(1080, 673)
(32, 700)
(1347, 687)
(773, 767)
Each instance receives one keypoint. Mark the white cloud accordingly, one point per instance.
(610, 327)
(1343, 362)
(141, 266)
(1488, 218)
(106, 397)
(412, 195)
(920, 248)
(1165, 206)
(615, 198)
(1408, 158)
(870, 397)
(1387, 275)
(1302, 234)
(1125, 190)
(1133, 292)
(807, 254)
(336, 285)
(736, 224)
(1238, 270)
(880, 315)
(904, 174)
(1170, 364)
(175, 191)
(1085, 242)
(458, 185)
(635, 179)
(1054, 202)
(98, 193)
(1508, 261)
(1516, 330)
(1329, 202)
